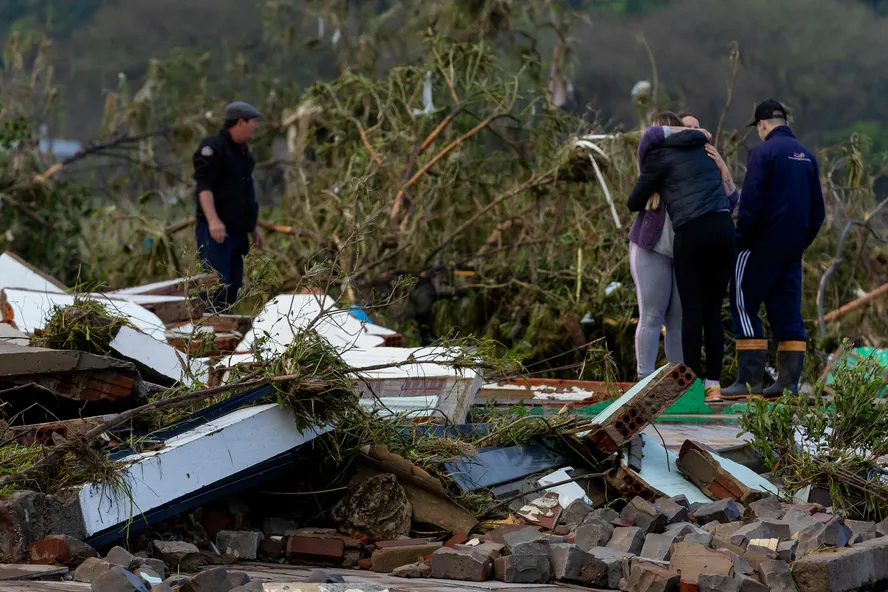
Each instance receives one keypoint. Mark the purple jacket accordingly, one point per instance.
(648, 225)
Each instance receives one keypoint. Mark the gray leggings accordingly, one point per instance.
(658, 303)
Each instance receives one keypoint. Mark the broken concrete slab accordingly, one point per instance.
(680, 529)
(798, 521)
(593, 534)
(91, 569)
(769, 508)
(843, 570)
(15, 272)
(861, 531)
(724, 511)
(627, 540)
(179, 556)
(118, 579)
(658, 546)
(645, 577)
(385, 560)
(606, 515)
(777, 576)
(240, 544)
(629, 415)
(674, 512)
(702, 538)
(206, 454)
(527, 541)
(834, 534)
(720, 477)
(450, 564)
(691, 561)
(645, 516)
(569, 563)
(522, 569)
(786, 551)
(718, 583)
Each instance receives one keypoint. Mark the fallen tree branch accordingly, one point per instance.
(855, 304)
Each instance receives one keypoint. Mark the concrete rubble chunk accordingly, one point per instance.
(764, 529)
(769, 508)
(645, 516)
(717, 583)
(882, 528)
(155, 564)
(658, 546)
(179, 556)
(798, 521)
(61, 549)
(123, 558)
(240, 544)
(627, 540)
(469, 566)
(210, 580)
(411, 571)
(822, 536)
(492, 550)
(842, 570)
(680, 529)
(864, 531)
(776, 576)
(741, 566)
(575, 513)
(593, 534)
(723, 511)
(161, 587)
(90, 570)
(751, 584)
(673, 511)
(606, 515)
(522, 569)
(704, 539)
(388, 559)
(645, 577)
(118, 579)
(527, 541)
(377, 507)
(691, 561)
(613, 562)
(681, 500)
(238, 578)
(756, 556)
(569, 563)
(786, 551)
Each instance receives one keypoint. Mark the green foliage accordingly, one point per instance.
(86, 325)
(818, 440)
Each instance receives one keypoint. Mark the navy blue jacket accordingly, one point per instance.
(687, 180)
(781, 206)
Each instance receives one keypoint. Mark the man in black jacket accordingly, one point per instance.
(227, 211)
(690, 185)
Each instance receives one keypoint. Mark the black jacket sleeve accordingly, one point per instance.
(648, 183)
(206, 165)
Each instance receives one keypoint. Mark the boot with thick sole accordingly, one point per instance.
(790, 363)
(751, 357)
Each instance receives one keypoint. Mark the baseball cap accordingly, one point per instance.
(769, 109)
(241, 110)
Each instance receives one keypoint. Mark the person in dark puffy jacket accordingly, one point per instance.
(781, 211)
(690, 185)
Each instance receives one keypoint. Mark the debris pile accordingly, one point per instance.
(131, 460)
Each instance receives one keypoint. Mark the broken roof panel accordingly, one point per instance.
(660, 471)
(285, 314)
(15, 272)
(174, 287)
(191, 461)
(158, 359)
(29, 310)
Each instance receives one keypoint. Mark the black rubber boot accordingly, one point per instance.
(790, 363)
(751, 357)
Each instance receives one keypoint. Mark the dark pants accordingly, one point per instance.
(704, 260)
(226, 259)
(759, 278)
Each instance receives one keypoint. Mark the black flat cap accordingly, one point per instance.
(241, 110)
(769, 109)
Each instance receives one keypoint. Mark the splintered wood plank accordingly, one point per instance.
(15, 571)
